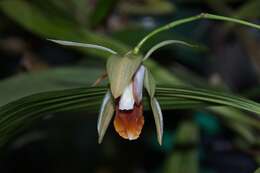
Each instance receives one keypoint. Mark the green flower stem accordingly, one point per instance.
(190, 19)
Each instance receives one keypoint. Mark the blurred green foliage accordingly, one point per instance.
(88, 22)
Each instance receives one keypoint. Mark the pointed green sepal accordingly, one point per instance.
(76, 44)
(165, 43)
(105, 115)
(120, 72)
(149, 83)
(158, 118)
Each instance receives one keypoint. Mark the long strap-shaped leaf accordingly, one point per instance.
(18, 114)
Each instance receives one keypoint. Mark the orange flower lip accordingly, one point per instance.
(129, 124)
(129, 118)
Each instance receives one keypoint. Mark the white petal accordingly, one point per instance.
(127, 101)
(138, 83)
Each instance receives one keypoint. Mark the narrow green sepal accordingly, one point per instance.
(158, 118)
(76, 44)
(149, 83)
(165, 43)
(105, 115)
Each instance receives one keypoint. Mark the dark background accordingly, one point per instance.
(228, 58)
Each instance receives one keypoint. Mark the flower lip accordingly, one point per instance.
(129, 124)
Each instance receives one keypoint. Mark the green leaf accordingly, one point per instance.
(149, 83)
(150, 7)
(231, 114)
(184, 160)
(187, 132)
(120, 72)
(46, 80)
(103, 7)
(47, 26)
(105, 115)
(18, 114)
(243, 131)
(158, 118)
(210, 97)
(258, 170)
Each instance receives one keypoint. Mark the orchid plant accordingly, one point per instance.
(128, 76)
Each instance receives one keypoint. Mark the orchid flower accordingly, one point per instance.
(127, 77)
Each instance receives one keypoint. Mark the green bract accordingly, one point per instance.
(120, 71)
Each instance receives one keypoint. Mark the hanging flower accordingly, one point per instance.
(127, 77)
